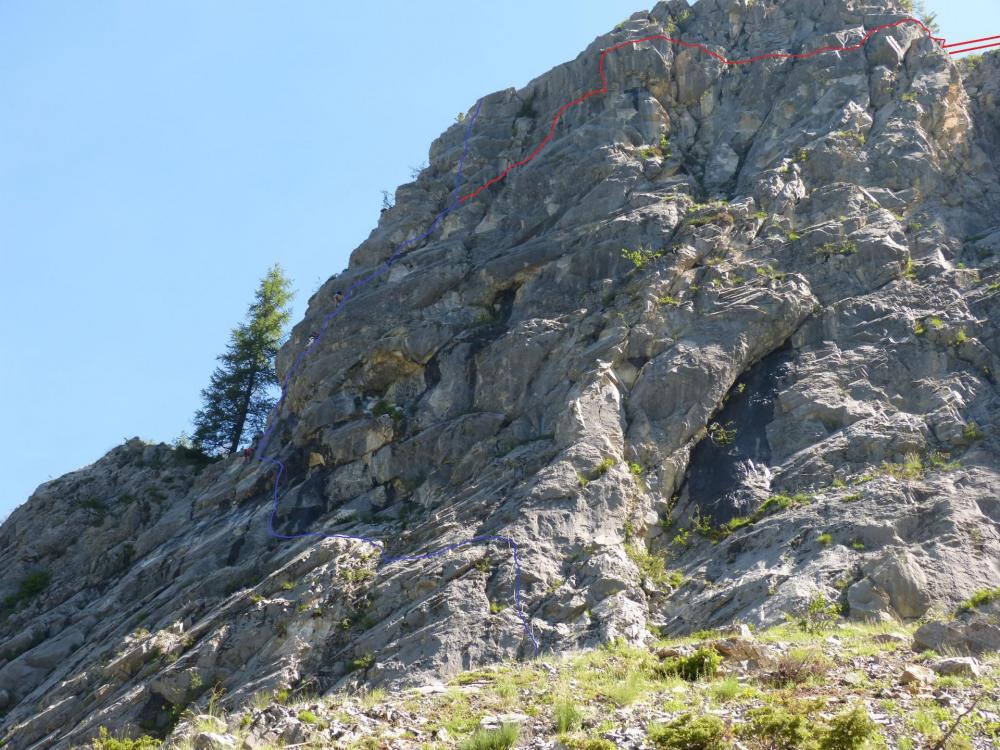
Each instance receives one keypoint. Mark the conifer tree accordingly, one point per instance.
(240, 396)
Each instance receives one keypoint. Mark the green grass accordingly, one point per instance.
(980, 599)
(926, 720)
(627, 691)
(566, 716)
(818, 614)
(689, 732)
(641, 256)
(492, 739)
(587, 743)
(682, 538)
(799, 666)
(355, 575)
(362, 663)
(731, 689)
(778, 727)
(384, 407)
(971, 432)
(104, 741)
(719, 217)
(773, 504)
(851, 135)
(603, 467)
(825, 539)
(722, 434)
(701, 665)
(261, 700)
(769, 273)
(911, 468)
(837, 248)
(308, 717)
(371, 698)
(662, 149)
(652, 568)
(914, 467)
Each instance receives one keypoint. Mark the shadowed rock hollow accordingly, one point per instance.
(802, 339)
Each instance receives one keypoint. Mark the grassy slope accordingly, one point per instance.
(612, 696)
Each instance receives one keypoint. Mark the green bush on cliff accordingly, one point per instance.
(32, 585)
(104, 741)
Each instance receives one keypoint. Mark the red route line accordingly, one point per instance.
(972, 49)
(703, 48)
(970, 41)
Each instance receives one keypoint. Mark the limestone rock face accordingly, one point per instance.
(786, 387)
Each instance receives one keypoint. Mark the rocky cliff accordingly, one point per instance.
(729, 342)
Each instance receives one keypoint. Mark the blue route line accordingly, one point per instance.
(454, 202)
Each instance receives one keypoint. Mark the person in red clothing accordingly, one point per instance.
(252, 448)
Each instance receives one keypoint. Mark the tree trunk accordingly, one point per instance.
(242, 419)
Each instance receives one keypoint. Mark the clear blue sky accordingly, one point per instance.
(156, 158)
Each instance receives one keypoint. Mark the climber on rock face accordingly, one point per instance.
(252, 448)
(338, 297)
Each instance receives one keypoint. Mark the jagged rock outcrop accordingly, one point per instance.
(786, 387)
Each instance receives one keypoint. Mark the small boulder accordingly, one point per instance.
(737, 631)
(212, 741)
(900, 574)
(868, 603)
(897, 638)
(740, 649)
(972, 632)
(495, 722)
(914, 674)
(674, 652)
(961, 666)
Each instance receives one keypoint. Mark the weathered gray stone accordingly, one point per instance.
(963, 666)
(811, 323)
(868, 603)
(212, 741)
(972, 632)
